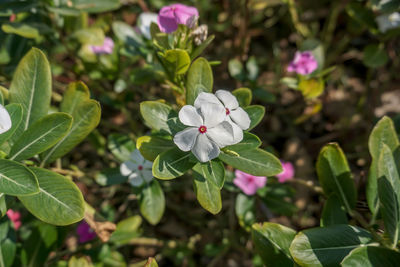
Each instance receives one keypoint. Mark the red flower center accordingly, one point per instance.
(202, 129)
(140, 167)
(227, 111)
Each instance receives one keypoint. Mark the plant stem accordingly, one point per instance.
(300, 27)
(309, 184)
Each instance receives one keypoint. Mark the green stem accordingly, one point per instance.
(300, 27)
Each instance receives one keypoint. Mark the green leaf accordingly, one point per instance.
(213, 171)
(127, 34)
(178, 61)
(16, 179)
(152, 202)
(8, 246)
(31, 87)
(236, 69)
(171, 164)
(199, 49)
(151, 146)
(375, 56)
(160, 117)
(199, 79)
(121, 146)
(272, 242)
(249, 142)
(245, 211)
(243, 95)
(278, 198)
(15, 112)
(76, 93)
(59, 201)
(111, 176)
(21, 29)
(41, 135)
(363, 15)
(86, 117)
(256, 162)
(256, 114)
(370, 256)
(312, 88)
(207, 193)
(333, 212)
(384, 132)
(335, 176)
(389, 193)
(127, 229)
(91, 36)
(97, 6)
(151, 262)
(386, 6)
(327, 246)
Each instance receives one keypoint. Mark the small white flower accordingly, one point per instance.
(207, 132)
(235, 115)
(144, 21)
(5, 120)
(137, 169)
(388, 21)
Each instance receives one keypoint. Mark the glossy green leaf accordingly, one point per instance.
(207, 193)
(86, 117)
(256, 162)
(41, 135)
(15, 112)
(127, 229)
(121, 146)
(160, 117)
(91, 36)
(272, 242)
(327, 246)
(244, 96)
(199, 79)
(171, 164)
(151, 146)
(245, 210)
(178, 61)
(384, 132)
(389, 193)
(8, 243)
(3, 205)
(333, 212)
(335, 176)
(31, 87)
(152, 202)
(213, 171)
(375, 56)
(249, 142)
(256, 114)
(16, 179)
(371, 256)
(111, 176)
(59, 201)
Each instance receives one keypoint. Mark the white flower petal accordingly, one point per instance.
(128, 167)
(144, 21)
(213, 114)
(189, 116)
(147, 175)
(203, 98)
(205, 149)
(136, 157)
(241, 118)
(222, 134)
(185, 139)
(147, 164)
(135, 180)
(5, 120)
(228, 99)
(237, 131)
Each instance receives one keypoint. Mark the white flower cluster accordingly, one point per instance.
(137, 169)
(215, 121)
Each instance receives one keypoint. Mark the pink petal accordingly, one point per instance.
(247, 188)
(287, 173)
(260, 181)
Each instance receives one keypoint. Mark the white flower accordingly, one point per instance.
(5, 120)
(144, 21)
(235, 115)
(137, 169)
(207, 132)
(388, 21)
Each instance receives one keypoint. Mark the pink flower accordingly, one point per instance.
(288, 172)
(84, 232)
(249, 183)
(303, 63)
(171, 16)
(106, 48)
(15, 217)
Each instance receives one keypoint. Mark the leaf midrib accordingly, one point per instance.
(13, 181)
(31, 96)
(58, 201)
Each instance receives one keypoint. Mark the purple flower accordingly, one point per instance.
(287, 173)
(84, 232)
(303, 63)
(249, 183)
(106, 48)
(171, 16)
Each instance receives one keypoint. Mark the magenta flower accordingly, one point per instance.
(249, 183)
(303, 63)
(15, 217)
(106, 48)
(287, 173)
(171, 16)
(84, 232)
